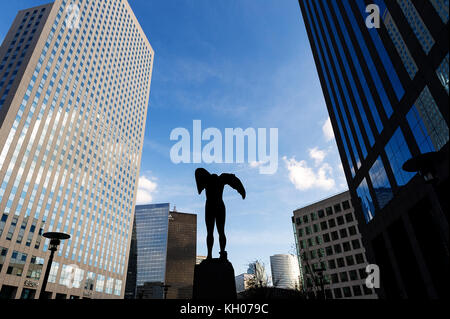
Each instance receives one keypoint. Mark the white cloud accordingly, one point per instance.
(327, 130)
(317, 155)
(304, 177)
(145, 191)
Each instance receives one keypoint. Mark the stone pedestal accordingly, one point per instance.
(214, 280)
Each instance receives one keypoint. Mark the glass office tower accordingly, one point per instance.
(152, 226)
(74, 89)
(386, 91)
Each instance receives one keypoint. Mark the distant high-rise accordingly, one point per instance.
(151, 231)
(285, 271)
(386, 90)
(165, 254)
(181, 255)
(74, 89)
(328, 242)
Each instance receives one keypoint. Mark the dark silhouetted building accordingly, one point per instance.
(181, 255)
(386, 91)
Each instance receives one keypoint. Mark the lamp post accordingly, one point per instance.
(55, 240)
(166, 289)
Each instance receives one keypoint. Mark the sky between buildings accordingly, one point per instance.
(230, 64)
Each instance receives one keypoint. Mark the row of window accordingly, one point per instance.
(321, 213)
(331, 250)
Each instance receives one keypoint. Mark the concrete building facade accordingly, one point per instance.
(328, 239)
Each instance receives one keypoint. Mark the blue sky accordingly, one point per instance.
(234, 63)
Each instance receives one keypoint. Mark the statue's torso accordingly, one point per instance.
(214, 190)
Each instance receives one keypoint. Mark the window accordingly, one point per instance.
(319, 240)
(334, 278)
(353, 275)
(298, 221)
(367, 291)
(347, 292)
(334, 235)
(343, 276)
(337, 293)
(313, 216)
(332, 264)
(337, 248)
(337, 208)
(326, 238)
(321, 213)
(346, 246)
(350, 261)
(332, 223)
(316, 228)
(346, 205)
(305, 219)
(308, 230)
(381, 185)
(398, 153)
(324, 225)
(35, 268)
(359, 258)
(16, 263)
(100, 283)
(362, 273)
(329, 250)
(343, 233)
(329, 211)
(340, 262)
(442, 73)
(427, 121)
(357, 290)
(340, 220)
(3, 252)
(356, 244)
(352, 230)
(349, 217)
(365, 198)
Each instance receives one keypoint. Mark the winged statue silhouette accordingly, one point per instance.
(215, 207)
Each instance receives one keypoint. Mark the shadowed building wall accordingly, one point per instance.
(386, 91)
(181, 255)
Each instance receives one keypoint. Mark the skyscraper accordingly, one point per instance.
(74, 89)
(285, 271)
(386, 91)
(329, 244)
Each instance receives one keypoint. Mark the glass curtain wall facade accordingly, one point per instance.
(74, 89)
(152, 227)
(386, 91)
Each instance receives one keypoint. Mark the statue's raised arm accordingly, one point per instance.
(234, 182)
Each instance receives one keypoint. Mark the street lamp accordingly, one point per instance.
(55, 240)
(166, 289)
(425, 165)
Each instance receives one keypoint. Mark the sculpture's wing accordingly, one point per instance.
(201, 177)
(234, 182)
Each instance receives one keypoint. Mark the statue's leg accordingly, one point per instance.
(220, 222)
(209, 219)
